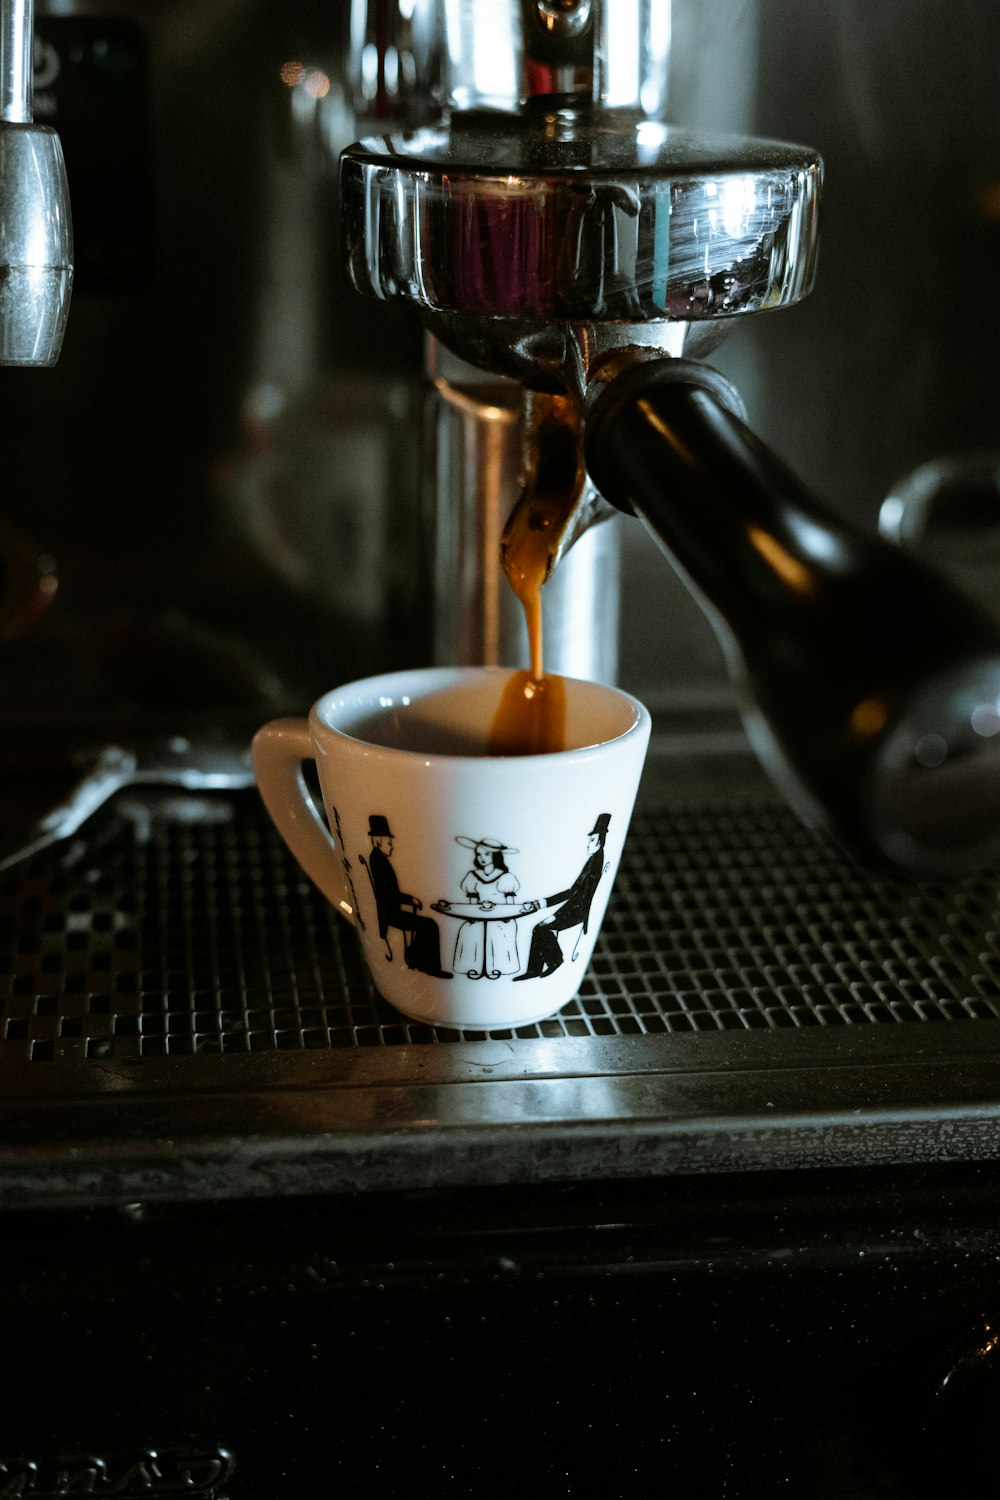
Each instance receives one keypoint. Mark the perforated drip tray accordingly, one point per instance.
(183, 1016)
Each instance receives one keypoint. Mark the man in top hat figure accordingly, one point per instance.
(395, 908)
(545, 954)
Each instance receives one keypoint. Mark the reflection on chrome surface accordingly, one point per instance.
(501, 53)
(591, 225)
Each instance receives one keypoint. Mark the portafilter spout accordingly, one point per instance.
(36, 240)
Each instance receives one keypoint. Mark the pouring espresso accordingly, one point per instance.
(532, 715)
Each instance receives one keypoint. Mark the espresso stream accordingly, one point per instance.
(531, 716)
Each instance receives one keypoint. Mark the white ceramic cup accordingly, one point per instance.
(477, 882)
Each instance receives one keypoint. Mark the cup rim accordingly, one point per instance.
(431, 678)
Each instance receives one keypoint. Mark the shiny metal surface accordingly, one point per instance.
(502, 234)
(395, 63)
(210, 764)
(476, 441)
(36, 246)
(499, 54)
(16, 29)
(947, 511)
(36, 237)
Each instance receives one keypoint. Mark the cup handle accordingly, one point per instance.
(279, 749)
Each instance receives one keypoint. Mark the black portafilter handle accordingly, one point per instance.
(870, 687)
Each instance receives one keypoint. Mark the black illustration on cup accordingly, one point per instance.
(398, 910)
(545, 954)
(486, 944)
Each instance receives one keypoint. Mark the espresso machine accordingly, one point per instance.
(549, 227)
(726, 1224)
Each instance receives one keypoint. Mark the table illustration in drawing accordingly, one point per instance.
(486, 944)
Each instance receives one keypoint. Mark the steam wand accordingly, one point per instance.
(36, 239)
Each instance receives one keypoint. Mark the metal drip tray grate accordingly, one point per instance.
(181, 1013)
(167, 938)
